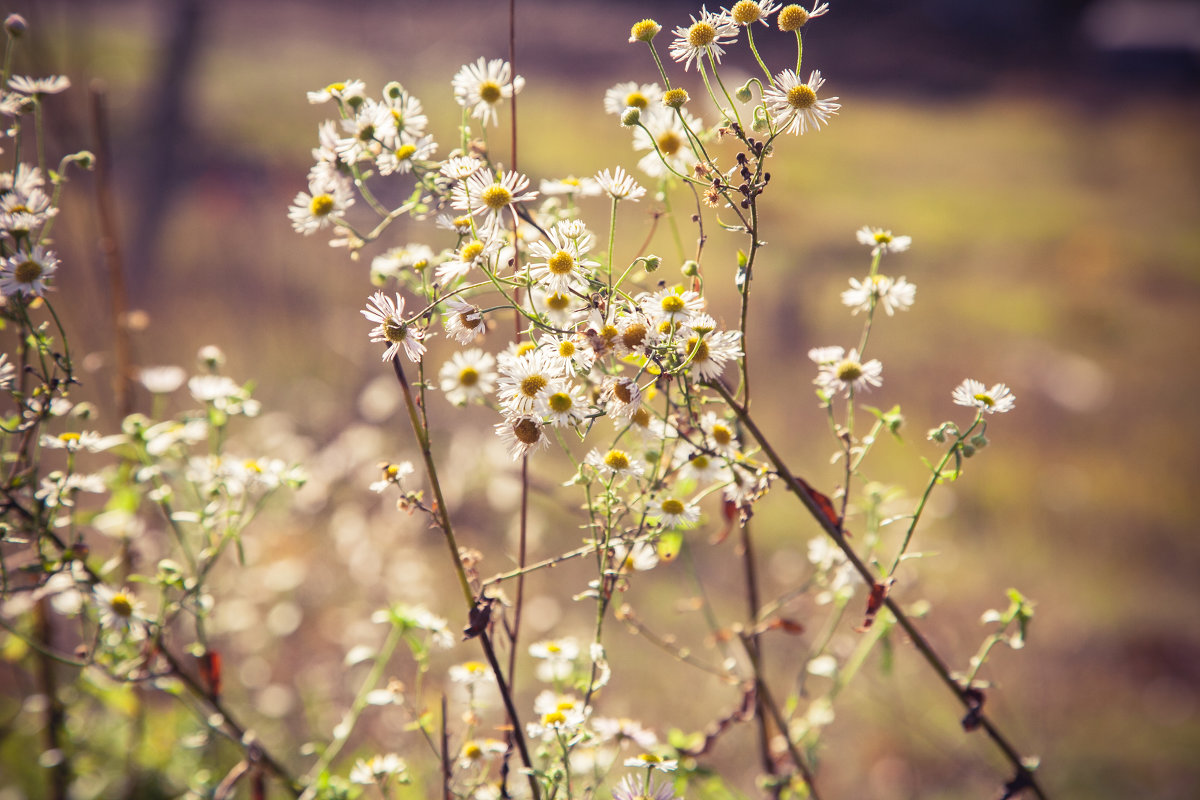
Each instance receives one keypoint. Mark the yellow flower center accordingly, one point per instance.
(469, 376)
(525, 347)
(644, 31)
(560, 403)
(252, 466)
(721, 434)
(669, 143)
(472, 751)
(566, 348)
(489, 92)
(532, 385)
(395, 331)
(700, 461)
(883, 237)
(527, 431)
(675, 98)
(673, 304)
(470, 251)
(985, 399)
(557, 302)
(554, 718)
(745, 12)
(699, 347)
(561, 263)
(641, 418)
(321, 205)
(672, 506)
(792, 18)
(701, 34)
(121, 605)
(496, 197)
(405, 152)
(801, 97)
(849, 371)
(553, 647)
(636, 100)
(617, 460)
(462, 222)
(68, 438)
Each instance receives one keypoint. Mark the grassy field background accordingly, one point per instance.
(1056, 248)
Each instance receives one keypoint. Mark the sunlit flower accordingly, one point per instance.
(522, 435)
(673, 512)
(491, 196)
(378, 769)
(35, 87)
(889, 293)
(26, 272)
(470, 673)
(408, 151)
(973, 394)
(407, 118)
(481, 86)
(560, 262)
(703, 37)
(672, 305)
(365, 127)
(556, 658)
(570, 185)
(845, 374)
(710, 352)
(794, 106)
(568, 353)
(665, 136)
(631, 95)
(563, 404)
(793, 17)
(620, 185)
(468, 376)
(622, 397)
(473, 252)
(524, 381)
(392, 328)
(636, 787)
(119, 610)
(321, 206)
(882, 241)
(393, 475)
(615, 463)
(463, 322)
(162, 380)
(701, 466)
(7, 372)
(350, 92)
(747, 12)
(653, 761)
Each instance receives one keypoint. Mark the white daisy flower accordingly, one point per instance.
(463, 322)
(890, 293)
(569, 354)
(392, 328)
(413, 256)
(556, 656)
(35, 87)
(472, 253)
(882, 241)
(522, 434)
(408, 151)
(7, 372)
(470, 673)
(563, 404)
(622, 397)
(560, 263)
(570, 185)
(697, 464)
(838, 374)
(719, 434)
(747, 12)
(671, 305)
(351, 92)
(162, 380)
(468, 376)
(615, 463)
(26, 272)
(559, 716)
(523, 381)
(652, 761)
(365, 129)
(377, 769)
(703, 37)
(972, 393)
(710, 352)
(324, 203)
(460, 167)
(407, 116)
(491, 196)
(794, 106)
(119, 610)
(632, 95)
(481, 86)
(673, 512)
(620, 185)
(393, 475)
(562, 309)
(663, 128)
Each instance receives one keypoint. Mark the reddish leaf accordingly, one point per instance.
(822, 502)
(879, 593)
(729, 512)
(210, 671)
(786, 625)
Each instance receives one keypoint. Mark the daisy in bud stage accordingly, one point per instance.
(794, 106)
(973, 394)
(703, 37)
(747, 12)
(392, 328)
(882, 241)
(468, 376)
(644, 31)
(839, 372)
(890, 293)
(481, 86)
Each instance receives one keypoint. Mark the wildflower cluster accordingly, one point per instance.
(635, 379)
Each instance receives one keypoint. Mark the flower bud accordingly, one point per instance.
(644, 31)
(967, 449)
(690, 269)
(631, 116)
(652, 263)
(211, 357)
(675, 98)
(743, 93)
(937, 435)
(83, 158)
(15, 25)
(393, 90)
(979, 441)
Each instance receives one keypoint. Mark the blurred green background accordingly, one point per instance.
(1045, 162)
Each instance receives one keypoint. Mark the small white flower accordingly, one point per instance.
(26, 272)
(703, 37)
(39, 86)
(392, 328)
(882, 241)
(7, 372)
(119, 610)
(615, 463)
(491, 196)
(794, 105)
(463, 322)
(409, 151)
(620, 185)
(673, 512)
(378, 769)
(560, 263)
(481, 86)
(890, 293)
(524, 381)
(652, 761)
(470, 673)
(323, 204)
(522, 435)
(719, 434)
(674, 306)
(557, 658)
(662, 132)
(161, 380)
(351, 92)
(973, 394)
(563, 404)
(468, 377)
(460, 167)
(631, 95)
(570, 185)
(838, 374)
